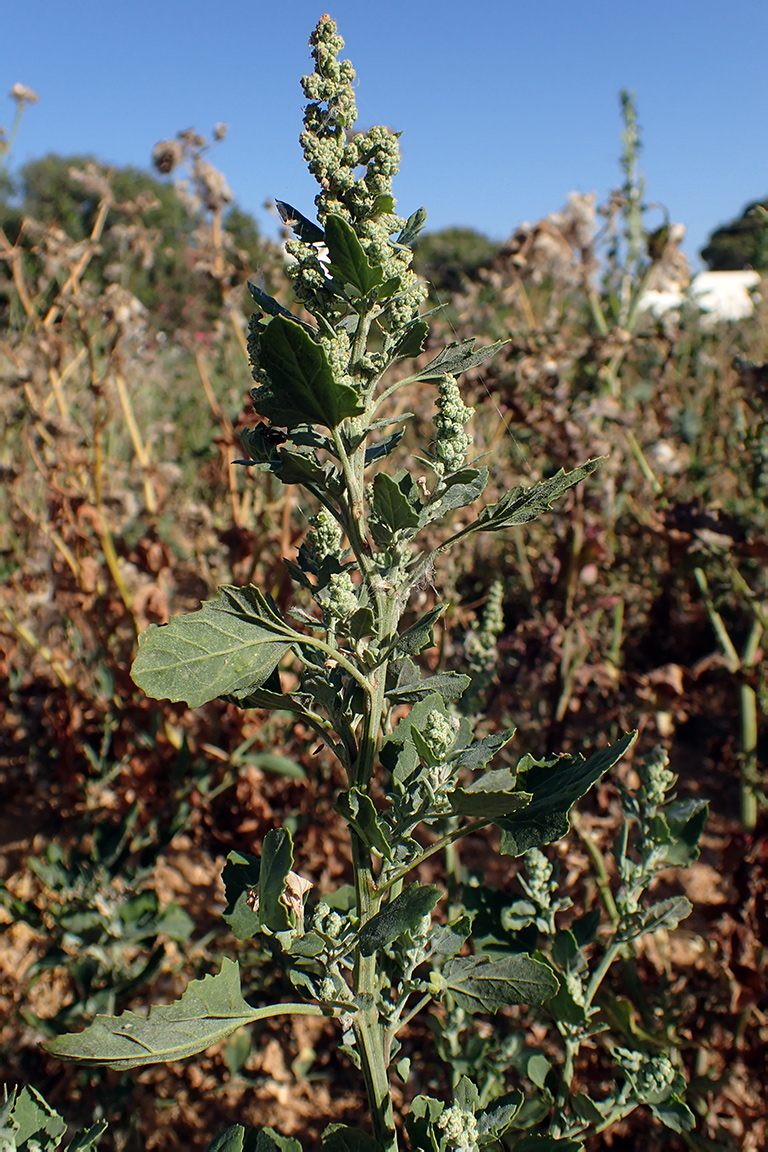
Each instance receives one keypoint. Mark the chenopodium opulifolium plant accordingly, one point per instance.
(635, 1031)
(372, 960)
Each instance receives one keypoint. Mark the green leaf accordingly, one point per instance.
(492, 795)
(274, 762)
(537, 1070)
(268, 1140)
(230, 1140)
(420, 635)
(231, 646)
(524, 504)
(420, 1121)
(306, 230)
(413, 226)
(480, 752)
(556, 785)
(463, 488)
(450, 685)
(391, 506)
(302, 388)
(209, 1010)
(494, 1120)
(401, 915)
(271, 306)
(675, 1115)
(359, 811)
(411, 341)
(240, 876)
(34, 1121)
(447, 939)
(664, 914)
(349, 263)
(276, 863)
(87, 1138)
(480, 985)
(457, 358)
(299, 468)
(466, 1095)
(398, 753)
(340, 1138)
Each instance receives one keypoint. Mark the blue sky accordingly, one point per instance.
(505, 106)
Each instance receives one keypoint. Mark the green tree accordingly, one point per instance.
(741, 244)
(450, 257)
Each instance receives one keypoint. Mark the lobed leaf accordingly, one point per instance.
(231, 646)
(303, 389)
(457, 358)
(305, 229)
(340, 1138)
(240, 876)
(494, 794)
(209, 1010)
(556, 785)
(359, 811)
(480, 985)
(522, 505)
(34, 1122)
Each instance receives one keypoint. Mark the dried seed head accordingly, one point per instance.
(23, 95)
(167, 155)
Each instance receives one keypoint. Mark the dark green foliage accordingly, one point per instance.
(743, 243)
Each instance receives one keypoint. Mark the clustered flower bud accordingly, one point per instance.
(451, 441)
(341, 599)
(333, 156)
(324, 536)
(459, 1129)
(480, 642)
(439, 733)
(657, 779)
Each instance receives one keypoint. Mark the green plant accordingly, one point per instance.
(374, 955)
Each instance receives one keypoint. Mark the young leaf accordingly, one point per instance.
(349, 263)
(466, 1095)
(241, 876)
(410, 342)
(339, 1138)
(494, 794)
(35, 1122)
(413, 226)
(305, 229)
(209, 1010)
(675, 1115)
(556, 785)
(457, 358)
(230, 1140)
(303, 389)
(480, 985)
(524, 504)
(276, 863)
(359, 811)
(420, 635)
(401, 915)
(391, 506)
(231, 645)
(87, 1138)
(420, 1121)
(665, 914)
(480, 752)
(494, 1120)
(450, 685)
(462, 488)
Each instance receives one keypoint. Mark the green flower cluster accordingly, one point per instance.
(459, 1130)
(480, 642)
(333, 156)
(451, 441)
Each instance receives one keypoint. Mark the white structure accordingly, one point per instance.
(721, 295)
